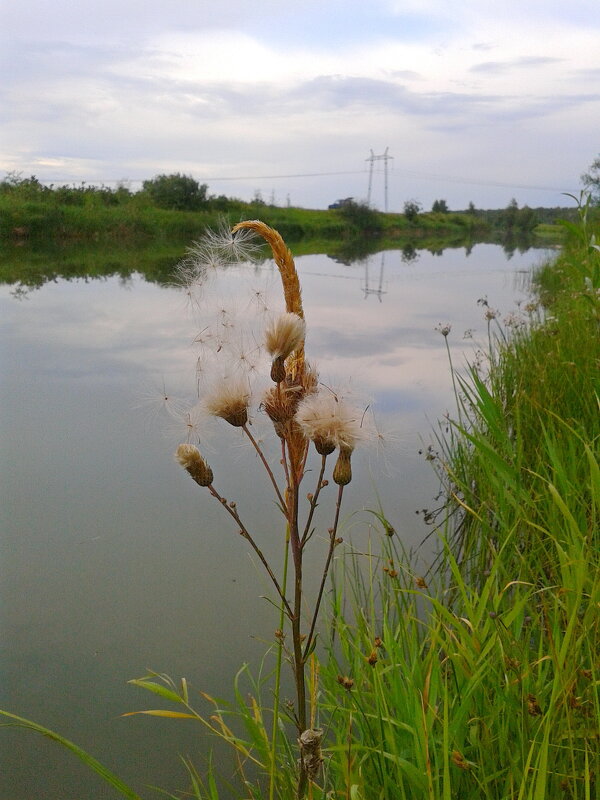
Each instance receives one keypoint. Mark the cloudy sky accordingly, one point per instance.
(477, 100)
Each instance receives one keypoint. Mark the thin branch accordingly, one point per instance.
(266, 465)
(332, 543)
(284, 463)
(313, 503)
(244, 532)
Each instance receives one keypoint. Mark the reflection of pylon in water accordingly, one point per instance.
(366, 288)
(372, 159)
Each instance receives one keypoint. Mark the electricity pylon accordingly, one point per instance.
(372, 159)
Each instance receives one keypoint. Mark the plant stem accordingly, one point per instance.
(278, 672)
(313, 503)
(298, 660)
(332, 538)
(244, 532)
(266, 466)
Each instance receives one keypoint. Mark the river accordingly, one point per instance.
(113, 562)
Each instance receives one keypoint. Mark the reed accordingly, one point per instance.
(484, 683)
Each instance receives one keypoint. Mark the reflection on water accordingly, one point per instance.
(111, 562)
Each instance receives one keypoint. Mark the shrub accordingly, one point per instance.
(412, 209)
(179, 192)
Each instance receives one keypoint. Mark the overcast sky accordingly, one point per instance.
(477, 100)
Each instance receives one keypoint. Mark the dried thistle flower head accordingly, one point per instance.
(330, 422)
(191, 460)
(229, 399)
(280, 404)
(282, 336)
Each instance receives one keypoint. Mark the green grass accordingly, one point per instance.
(45, 216)
(486, 685)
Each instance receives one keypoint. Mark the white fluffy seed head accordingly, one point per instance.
(284, 334)
(229, 399)
(330, 422)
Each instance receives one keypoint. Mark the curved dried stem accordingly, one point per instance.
(289, 278)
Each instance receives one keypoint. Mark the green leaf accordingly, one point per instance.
(87, 759)
(159, 712)
(156, 688)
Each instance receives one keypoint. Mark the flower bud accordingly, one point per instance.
(342, 472)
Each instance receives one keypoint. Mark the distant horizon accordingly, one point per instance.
(114, 183)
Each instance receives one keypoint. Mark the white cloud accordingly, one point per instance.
(461, 94)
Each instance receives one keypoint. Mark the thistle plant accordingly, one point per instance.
(304, 416)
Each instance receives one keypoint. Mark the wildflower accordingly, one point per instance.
(372, 658)
(284, 335)
(443, 329)
(513, 320)
(345, 681)
(190, 459)
(329, 422)
(229, 399)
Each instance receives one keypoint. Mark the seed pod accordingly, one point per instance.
(323, 446)
(237, 418)
(278, 369)
(342, 472)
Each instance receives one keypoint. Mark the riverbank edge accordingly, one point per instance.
(481, 680)
(35, 221)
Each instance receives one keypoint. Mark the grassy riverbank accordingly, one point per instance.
(137, 220)
(485, 683)
(175, 208)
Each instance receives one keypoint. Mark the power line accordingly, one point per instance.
(225, 177)
(412, 173)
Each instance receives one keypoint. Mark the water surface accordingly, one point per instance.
(113, 562)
